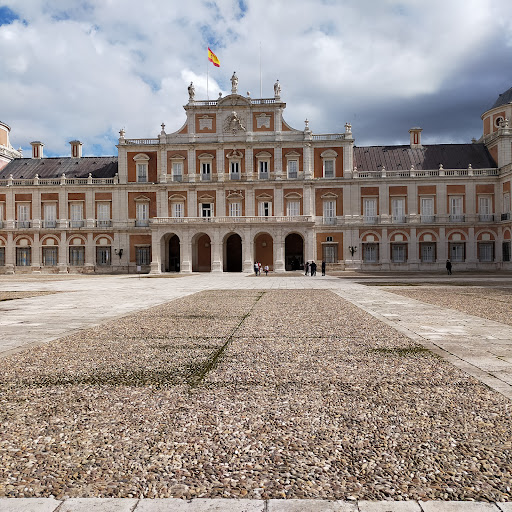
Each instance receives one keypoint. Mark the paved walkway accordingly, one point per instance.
(480, 347)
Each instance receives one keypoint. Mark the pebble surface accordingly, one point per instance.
(249, 394)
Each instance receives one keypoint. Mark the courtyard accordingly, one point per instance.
(287, 387)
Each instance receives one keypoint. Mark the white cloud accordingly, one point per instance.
(87, 70)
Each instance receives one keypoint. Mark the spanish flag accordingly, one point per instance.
(213, 58)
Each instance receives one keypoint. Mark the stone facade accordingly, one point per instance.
(236, 184)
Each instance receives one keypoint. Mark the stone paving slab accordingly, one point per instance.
(310, 506)
(234, 505)
(456, 506)
(388, 506)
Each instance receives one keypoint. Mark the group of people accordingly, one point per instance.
(258, 267)
(310, 268)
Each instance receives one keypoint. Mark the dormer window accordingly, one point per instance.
(141, 164)
(329, 163)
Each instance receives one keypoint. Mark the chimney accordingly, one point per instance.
(415, 137)
(76, 149)
(37, 149)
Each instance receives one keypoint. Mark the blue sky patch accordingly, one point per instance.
(7, 16)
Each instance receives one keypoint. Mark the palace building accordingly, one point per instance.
(237, 184)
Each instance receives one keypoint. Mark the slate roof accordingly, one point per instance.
(98, 166)
(503, 99)
(429, 157)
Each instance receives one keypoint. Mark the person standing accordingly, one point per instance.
(313, 268)
(306, 268)
(259, 268)
(323, 267)
(256, 268)
(265, 268)
(449, 267)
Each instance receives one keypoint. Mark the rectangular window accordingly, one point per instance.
(142, 173)
(206, 210)
(206, 171)
(77, 256)
(264, 209)
(178, 209)
(50, 256)
(103, 213)
(428, 252)
(427, 209)
(263, 169)
(485, 209)
(235, 209)
(234, 170)
(103, 255)
(77, 215)
(398, 252)
(23, 256)
(398, 210)
(2, 256)
(142, 212)
(506, 250)
(328, 168)
(370, 210)
(23, 216)
(456, 209)
(177, 171)
(50, 215)
(143, 255)
(293, 208)
(371, 253)
(486, 252)
(330, 253)
(293, 168)
(329, 212)
(457, 251)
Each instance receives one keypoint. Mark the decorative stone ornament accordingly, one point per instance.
(233, 124)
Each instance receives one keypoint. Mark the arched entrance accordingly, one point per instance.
(201, 253)
(294, 252)
(264, 250)
(233, 253)
(174, 254)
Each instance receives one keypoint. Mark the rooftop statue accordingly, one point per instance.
(191, 92)
(234, 83)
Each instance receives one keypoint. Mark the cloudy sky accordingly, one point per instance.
(74, 69)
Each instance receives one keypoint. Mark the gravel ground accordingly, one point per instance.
(287, 393)
(491, 303)
(6, 295)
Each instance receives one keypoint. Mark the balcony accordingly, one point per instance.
(329, 221)
(428, 219)
(49, 224)
(457, 218)
(235, 176)
(263, 176)
(142, 223)
(76, 223)
(104, 223)
(486, 217)
(206, 177)
(235, 220)
(398, 219)
(20, 224)
(505, 216)
(177, 177)
(370, 219)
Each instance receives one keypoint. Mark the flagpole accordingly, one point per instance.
(207, 93)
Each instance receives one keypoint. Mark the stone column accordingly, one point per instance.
(89, 213)
(413, 259)
(247, 250)
(156, 264)
(36, 255)
(216, 252)
(249, 163)
(186, 253)
(279, 255)
(278, 162)
(307, 159)
(192, 203)
(442, 246)
(36, 209)
(279, 202)
(309, 246)
(384, 249)
(89, 251)
(10, 254)
(191, 165)
(63, 254)
(471, 243)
